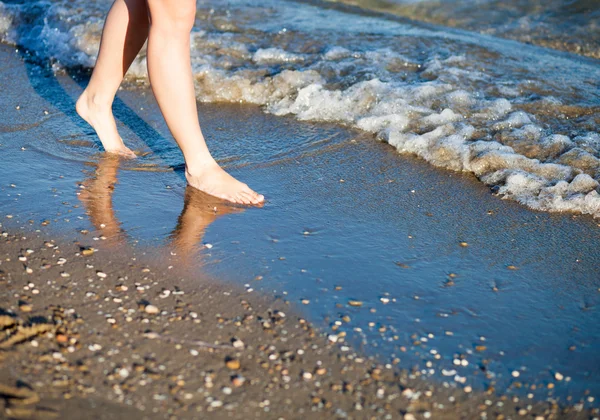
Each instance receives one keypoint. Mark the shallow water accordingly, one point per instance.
(568, 25)
(523, 119)
(343, 212)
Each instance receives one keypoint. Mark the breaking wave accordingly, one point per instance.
(523, 120)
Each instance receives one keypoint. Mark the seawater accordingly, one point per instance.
(567, 25)
(523, 119)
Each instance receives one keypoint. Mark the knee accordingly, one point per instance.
(173, 16)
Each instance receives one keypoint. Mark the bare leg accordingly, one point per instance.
(124, 34)
(169, 67)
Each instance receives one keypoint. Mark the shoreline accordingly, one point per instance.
(345, 212)
(116, 332)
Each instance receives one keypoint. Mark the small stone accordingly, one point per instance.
(87, 252)
(305, 301)
(151, 309)
(355, 303)
(558, 376)
(238, 381)
(25, 307)
(238, 344)
(516, 373)
(232, 364)
(384, 300)
(333, 338)
(61, 338)
(101, 274)
(464, 244)
(216, 403)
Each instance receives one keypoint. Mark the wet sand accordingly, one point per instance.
(445, 261)
(89, 332)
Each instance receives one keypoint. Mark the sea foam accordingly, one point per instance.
(458, 111)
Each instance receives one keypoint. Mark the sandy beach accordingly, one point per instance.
(90, 333)
(369, 286)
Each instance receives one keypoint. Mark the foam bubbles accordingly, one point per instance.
(448, 108)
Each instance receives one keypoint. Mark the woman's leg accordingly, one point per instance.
(124, 34)
(169, 67)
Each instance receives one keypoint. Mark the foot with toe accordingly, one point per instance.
(98, 114)
(213, 180)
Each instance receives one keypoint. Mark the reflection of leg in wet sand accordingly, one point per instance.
(167, 25)
(96, 195)
(199, 210)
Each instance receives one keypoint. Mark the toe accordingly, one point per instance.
(245, 198)
(255, 198)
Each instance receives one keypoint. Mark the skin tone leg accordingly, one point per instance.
(124, 34)
(169, 68)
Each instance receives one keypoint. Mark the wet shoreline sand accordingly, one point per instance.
(88, 330)
(329, 209)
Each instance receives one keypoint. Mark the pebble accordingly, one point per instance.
(87, 252)
(238, 381)
(558, 376)
(385, 300)
(333, 338)
(232, 364)
(101, 274)
(151, 309)
(516, 373)
(305, 301)
(356, 303)
(238, 344)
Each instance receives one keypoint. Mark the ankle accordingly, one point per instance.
(96, 101)
(199, 166)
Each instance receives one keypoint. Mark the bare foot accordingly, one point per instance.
(100, 117)
(215, 181)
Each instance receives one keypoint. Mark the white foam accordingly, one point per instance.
(5, 22)
(444, 108)
(274, 55)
